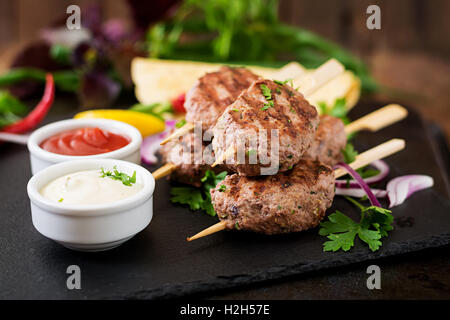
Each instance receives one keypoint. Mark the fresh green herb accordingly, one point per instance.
(375, 222)
(157, 109)
(349, 153)
(278, 91)
(282, 83)
(11, 109)
(279, 207)
(180, 123)
(290, 167)
(222, 188)
(292, 211)
(61, 54)
(116, 175)
(338, 109)
(236, 225)
(267, 93)
(235, 109)
(199, 198)
(61, 200)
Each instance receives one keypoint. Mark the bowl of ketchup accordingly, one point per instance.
(83, 139)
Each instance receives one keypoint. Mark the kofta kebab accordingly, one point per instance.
(299, 138)
(240, 103)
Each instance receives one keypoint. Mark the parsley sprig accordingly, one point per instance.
(199, 198)
(341, 230)
(116, 175)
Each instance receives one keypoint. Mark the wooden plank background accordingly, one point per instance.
(406, 24)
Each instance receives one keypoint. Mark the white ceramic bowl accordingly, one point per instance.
(41, 158)
(95, 227)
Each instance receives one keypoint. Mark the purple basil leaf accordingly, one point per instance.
(98, 90)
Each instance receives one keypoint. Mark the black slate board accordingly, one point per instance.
(160, 263)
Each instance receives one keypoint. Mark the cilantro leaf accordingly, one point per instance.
(338, 109)
(187, 195)
(198, 198)
(116, 175)
(341, 230)
(349, 153)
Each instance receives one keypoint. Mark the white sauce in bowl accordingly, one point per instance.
(88, 187)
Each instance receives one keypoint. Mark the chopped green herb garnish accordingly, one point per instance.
(222, 188)
(290, 167)
(236, 225)
(279, 207)
(267, 93)
(282, 83)
(116, 175)
(180, 123)
(235, 109)
(341, 230)
(61, 200)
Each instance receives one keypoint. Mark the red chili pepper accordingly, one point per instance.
(39, 112)
(178, 103)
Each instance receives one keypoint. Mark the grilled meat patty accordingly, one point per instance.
(263, 107)
(328, 142)
(213, 92)
(289, 201)
(192, 157)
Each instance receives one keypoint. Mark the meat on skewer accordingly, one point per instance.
(190, 158)
(330, 135)
(267, 108)
(286, 202)
(213, 92)
(205, 102)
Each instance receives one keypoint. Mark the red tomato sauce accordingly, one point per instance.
(84, 142)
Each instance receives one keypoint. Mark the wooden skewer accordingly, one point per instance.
(219, 226)
(178, 133)
(307, 85)
(224, 156)
(374, 121)
(164, 171)
(379, 152)
(378, 119)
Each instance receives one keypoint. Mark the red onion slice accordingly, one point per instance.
(401, 188)
(378, 164)
(373, 200)
(359, 193)
(151, 144)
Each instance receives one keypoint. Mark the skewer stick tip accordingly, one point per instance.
(208, 231)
